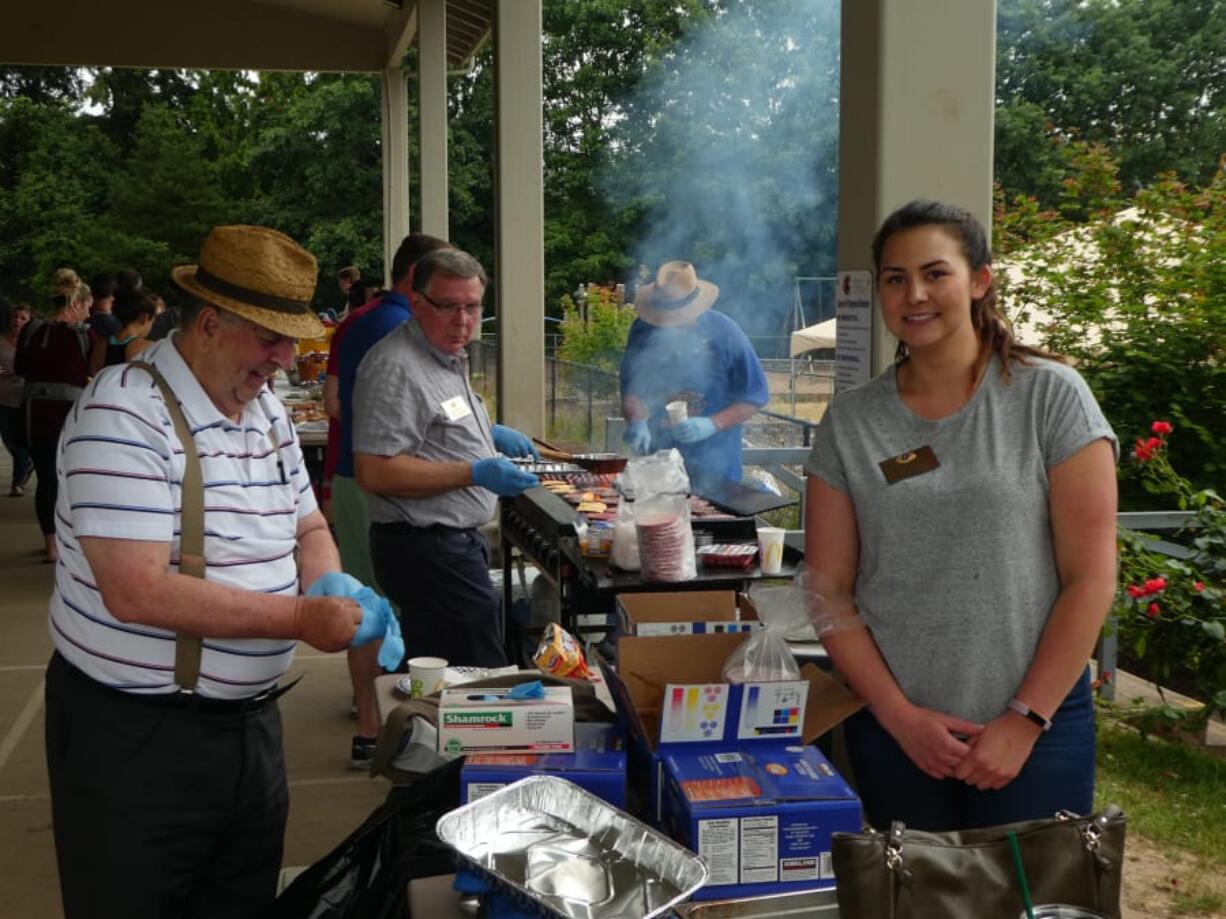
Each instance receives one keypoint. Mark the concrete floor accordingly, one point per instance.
(327, 799)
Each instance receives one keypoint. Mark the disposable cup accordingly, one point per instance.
(770, 542)
(677, 412)
(425, 676)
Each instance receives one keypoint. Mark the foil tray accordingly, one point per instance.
(563, 853)
(812, 904)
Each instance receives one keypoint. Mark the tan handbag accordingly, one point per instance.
(909, 874)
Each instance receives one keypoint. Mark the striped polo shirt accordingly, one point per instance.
(120, 470)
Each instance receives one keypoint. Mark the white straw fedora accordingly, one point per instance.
(677, 297)
(259, 274)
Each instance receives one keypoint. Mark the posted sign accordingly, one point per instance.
(854, 330)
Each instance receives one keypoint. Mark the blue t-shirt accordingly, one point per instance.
(366, 332)
(708, 364)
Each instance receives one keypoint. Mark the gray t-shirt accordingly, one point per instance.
(957, 572)
(411, 398)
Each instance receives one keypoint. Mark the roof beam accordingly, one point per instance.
(401, 29)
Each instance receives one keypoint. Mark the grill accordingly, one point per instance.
(544, 529)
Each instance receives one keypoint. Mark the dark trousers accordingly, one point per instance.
(12, 433)
(1059, 775)
(160, 812)
(439, 578)
(42, 452)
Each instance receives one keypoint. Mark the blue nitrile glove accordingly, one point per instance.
(693, 430)
(637, 437)
(502, 477)
(378, 620)
(531, 690)
(511, 442)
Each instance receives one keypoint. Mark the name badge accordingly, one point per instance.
(910, 464)
(456, 407)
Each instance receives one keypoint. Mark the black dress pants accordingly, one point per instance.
(162, 813)
(439, 578)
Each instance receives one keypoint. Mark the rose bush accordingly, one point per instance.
(1169, 610)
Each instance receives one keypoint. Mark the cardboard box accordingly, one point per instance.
(486, 720)
(762, 815)
(650, 666)
(691, 612)
(598, 765)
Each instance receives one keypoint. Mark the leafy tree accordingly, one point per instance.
(1145, 78)
(595, 331)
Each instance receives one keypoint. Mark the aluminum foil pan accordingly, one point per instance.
(809, 904)
(560, 851)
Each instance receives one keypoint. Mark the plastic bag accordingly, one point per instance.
(660, 473)
(666, 539)
(765, 656)
(367, 875)
(625, 551)
(827, 607)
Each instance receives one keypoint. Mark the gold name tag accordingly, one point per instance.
(910, 464)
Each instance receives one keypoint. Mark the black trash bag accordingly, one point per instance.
(367, 875)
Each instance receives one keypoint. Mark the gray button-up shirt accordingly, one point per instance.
(414, 399)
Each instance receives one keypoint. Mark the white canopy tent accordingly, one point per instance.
(813, 337)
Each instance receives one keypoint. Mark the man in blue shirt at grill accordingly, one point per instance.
(681, 350)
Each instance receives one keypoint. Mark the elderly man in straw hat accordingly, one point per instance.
(689, 377)
(188, 524)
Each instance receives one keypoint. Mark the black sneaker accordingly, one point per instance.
(362, 752)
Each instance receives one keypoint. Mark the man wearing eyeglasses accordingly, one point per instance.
(426, 452)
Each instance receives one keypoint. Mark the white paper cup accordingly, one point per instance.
(425, 676)
(677, 412)
(770, 543)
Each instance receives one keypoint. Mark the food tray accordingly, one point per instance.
(811, 904)
(562, 853)
(727, 555)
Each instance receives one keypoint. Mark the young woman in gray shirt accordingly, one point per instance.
(962, 505)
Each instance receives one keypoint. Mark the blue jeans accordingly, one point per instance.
(1059, 775)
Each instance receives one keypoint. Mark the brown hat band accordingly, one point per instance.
(674, 304)
(247, 295)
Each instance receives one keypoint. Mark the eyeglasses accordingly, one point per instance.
(471, 310)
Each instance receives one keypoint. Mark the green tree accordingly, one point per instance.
(1145, 78)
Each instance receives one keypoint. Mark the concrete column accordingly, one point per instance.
(395, 164)
(432, 113)
(915, 119)
(520, 214)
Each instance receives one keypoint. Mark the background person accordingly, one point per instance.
(12, 390)
(360, 331)
(101, 319)
(134, 311)
(425, 451)
(168, 801)
(679, 349)
(53, 357)
(964, 500)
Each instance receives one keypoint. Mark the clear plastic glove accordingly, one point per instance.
(692, 430)
(637, 437)
(502, 477)
(511, 442)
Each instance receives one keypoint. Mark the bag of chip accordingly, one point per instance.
(560, 655)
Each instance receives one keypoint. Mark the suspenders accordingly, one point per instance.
(191, 537)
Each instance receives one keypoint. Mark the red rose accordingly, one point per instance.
(1198, 586)
(1161, 427)
(1154, 443)
(1153, 610)
(1135, 592)
(1154, 585)
(1143, 453)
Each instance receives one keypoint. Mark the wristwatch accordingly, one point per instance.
(1017, 705)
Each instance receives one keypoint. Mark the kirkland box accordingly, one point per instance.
(760, 815)
(598, 764)
(669, 692)
(486, 720)
(688, 612)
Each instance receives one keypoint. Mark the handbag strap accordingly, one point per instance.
(188, 648)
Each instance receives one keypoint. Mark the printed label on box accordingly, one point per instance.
(477, 790)
(799, 869)
(772, 710)
(717, 843)
(694, 713)
(759, 849)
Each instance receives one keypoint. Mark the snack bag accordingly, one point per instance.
(560, 655)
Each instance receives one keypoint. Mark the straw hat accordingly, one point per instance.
(259, 274)
(677, 297)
